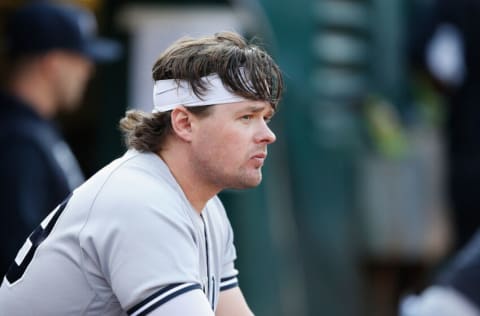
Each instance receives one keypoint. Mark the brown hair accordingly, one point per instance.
(245, 69)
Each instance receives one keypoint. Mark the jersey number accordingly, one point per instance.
(16, 271)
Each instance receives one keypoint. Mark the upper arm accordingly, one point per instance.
(147, 255)
(190, 303)
(232, 303)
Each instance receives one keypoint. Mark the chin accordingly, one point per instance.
(253, 182)
(245, 181)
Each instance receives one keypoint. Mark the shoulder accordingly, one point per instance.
(24, 161)
(26, 126)
(29, 135)
(138, 232)
(140, 179)
(131, 192)
(23, 137)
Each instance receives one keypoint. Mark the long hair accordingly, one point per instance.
(245, 69)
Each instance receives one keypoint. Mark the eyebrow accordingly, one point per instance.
(256, 109)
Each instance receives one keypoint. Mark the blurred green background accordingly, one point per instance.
(350, 215)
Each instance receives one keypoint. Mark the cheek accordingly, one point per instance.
(79, 75)
(235, 151)
(223, 146)
(80, 79)
(73, 88)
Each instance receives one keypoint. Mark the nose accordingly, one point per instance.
(265, 135)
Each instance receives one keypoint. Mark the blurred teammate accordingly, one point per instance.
(456, 292)
(147, 234)
(454, 27)
(50, 51)
(447, 33)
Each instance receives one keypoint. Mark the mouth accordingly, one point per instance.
(260, 156)
(259, 159)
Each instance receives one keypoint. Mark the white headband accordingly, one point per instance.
(168, 94)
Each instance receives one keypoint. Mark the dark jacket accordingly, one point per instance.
(37, 171)
(463, 273)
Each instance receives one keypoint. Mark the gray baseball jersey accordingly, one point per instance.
(124, 243)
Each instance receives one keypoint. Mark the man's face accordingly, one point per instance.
(230, 145)
(71, 77)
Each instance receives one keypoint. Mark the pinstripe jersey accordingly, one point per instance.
(124, 243)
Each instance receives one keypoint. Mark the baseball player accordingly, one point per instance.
(147, 234)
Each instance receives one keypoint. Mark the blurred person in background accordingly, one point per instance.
(446, 48)
(456, 292)
(49, 51)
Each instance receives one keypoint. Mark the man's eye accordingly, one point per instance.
(247, 117)
(267, 119)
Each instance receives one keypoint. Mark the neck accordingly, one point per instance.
(197, 191)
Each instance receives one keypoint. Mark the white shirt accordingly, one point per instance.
(126, 242)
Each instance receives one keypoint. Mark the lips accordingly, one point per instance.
(259, 159)
(260, 156)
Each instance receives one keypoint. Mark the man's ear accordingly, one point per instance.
(181, 120)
